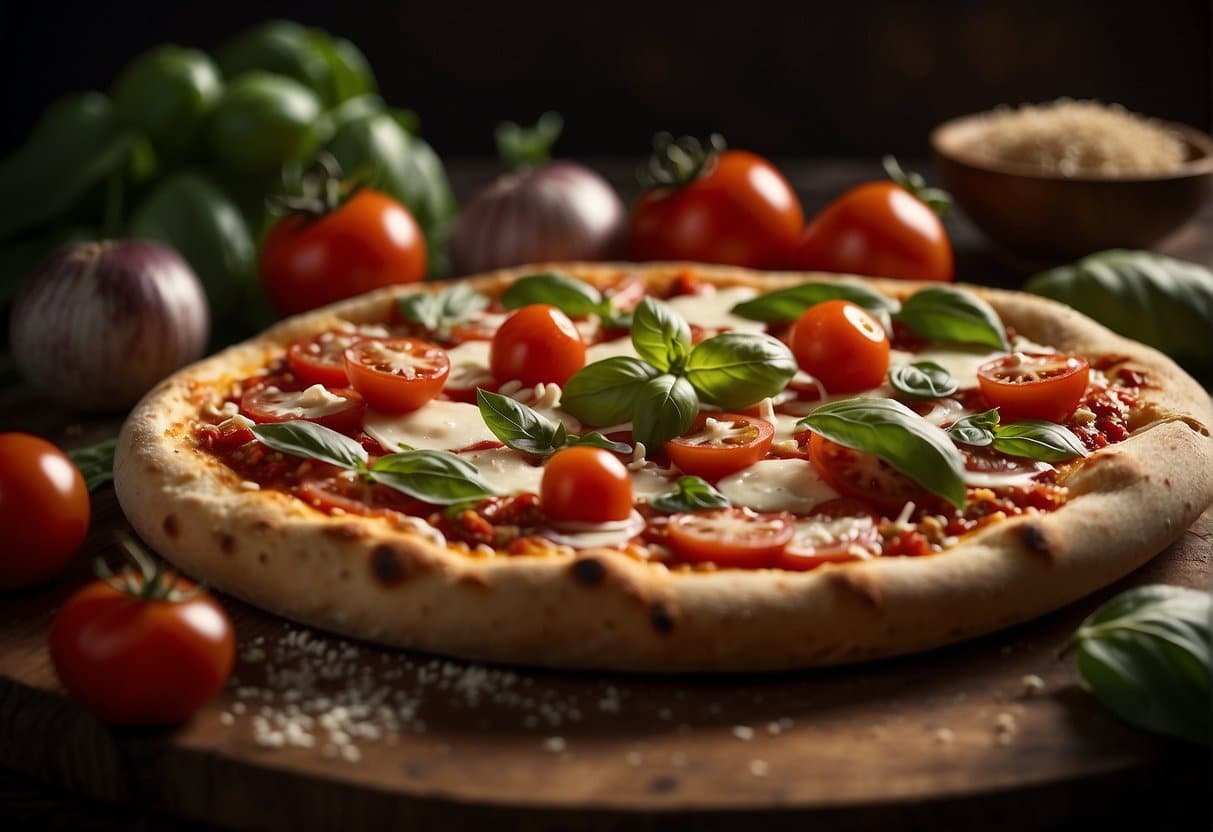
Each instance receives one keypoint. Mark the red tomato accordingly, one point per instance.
(368, 242)
(342, 410)
(397, 374)
(44, 510)
(842, 346)
(863, 476)
(878, 229)
(730, 537)
(135, 660)
(537, 344)
(321, 360)
(585, 485)
(1034, 386)
(834, 532)
(739, 211)
(720, 444)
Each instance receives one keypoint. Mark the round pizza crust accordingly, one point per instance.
(601, 609)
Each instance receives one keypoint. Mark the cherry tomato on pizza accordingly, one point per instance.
(836, 531)
(321, 359)
(882, 229)
(714, 205)
(841, 345)
(720, 444)
(536, 344)
(863, 476)
(730, 537)
(1034, 385)
(397, 375)
(341, 409)
(585, 485)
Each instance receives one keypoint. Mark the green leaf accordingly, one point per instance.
(596, 440)
(945, 313)
(518, 426)
(96, 462)
(1038, 439)
(604, 393)
(660, 335)
(439, 311)
(889, 430)
(693, 494)
(312, 441)
(572, 297)
(923, 380)
(737, 369)
(976, 430)
(437, 477)
(1146, 656)
(788, 304)
(665, 407)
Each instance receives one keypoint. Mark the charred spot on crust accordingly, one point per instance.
(388, 564)
(862, 585)
(1040, 539)
(172, 526)
(662, 617)
(665, 784)
(263, 557)
(589, 571)
(227, 543)
(262, 526)
(346, 531)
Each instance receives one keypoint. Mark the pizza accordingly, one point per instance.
(671, 467)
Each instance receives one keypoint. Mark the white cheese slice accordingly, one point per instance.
(1025, 474)
(594, 535)
(777, 485)
(651, 481)
(438, 426)
(961, 361)
(315, 402)
(506, 471)
(610, 349)
(713, 311)
(469, 365)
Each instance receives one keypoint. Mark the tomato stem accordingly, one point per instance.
(525, 147)
(152, 582)
(937, 199)
(678, 162)
(322, 190)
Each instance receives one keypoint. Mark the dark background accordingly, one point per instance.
(805, 79)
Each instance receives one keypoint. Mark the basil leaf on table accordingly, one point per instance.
(788, 304)
(312, 441)
(437, 477)
(976, 430)
(665, 407)
(1038, 439)
(945, 313)
(1146, 656)
(660, 335)
(922, 380)
(572, 297)
(518, 426)
(96, 462)
(737, 369)
(889, 430)
(439, 311)
(693, 494)
(603, 393)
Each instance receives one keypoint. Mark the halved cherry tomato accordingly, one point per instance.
(537, 344)
(355, 496)
(987, 468)
(878, 229)
(720, 444)
(863, 476)
(836, 531)
(842, 346)
(1034, 385)
(321, 360)
(342, 410)
(397, 374)
(585, 485)
(730, 537)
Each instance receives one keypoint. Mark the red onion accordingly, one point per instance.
(557, 211)
(98, 324)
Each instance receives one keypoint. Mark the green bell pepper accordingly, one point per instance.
(262, 122)
(167, 93)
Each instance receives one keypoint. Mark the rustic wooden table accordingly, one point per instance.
(963, 737)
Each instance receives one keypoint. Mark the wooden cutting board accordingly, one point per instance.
(994, 733)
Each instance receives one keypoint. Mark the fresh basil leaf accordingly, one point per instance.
(923, 380)
(1037, 439)
(693, 494)
(1160, 301)
(788, 304)
(96, 462)
(976, 430)
(889, 430)
(436, 477)
(660, 335)
(439, 311)
(596, 440)
(736, 369)
(519, 426)
(665, 407)
(572, 297)
(1146, 656)
(604, 393)
(945, 313)
(312, 441)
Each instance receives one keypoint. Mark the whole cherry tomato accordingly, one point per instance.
(715, 206)
(537, 344)
(585, 485)
(842, 346)
(736, 537)
(1034, 386)
(44, 510)
(882, 229)
(396, 374)
(721, 444)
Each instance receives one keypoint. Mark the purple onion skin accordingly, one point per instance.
(97, 324)
(557, 211)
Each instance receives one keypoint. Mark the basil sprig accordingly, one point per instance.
(890, 431)
(788, 304)
(1031, 438)
(436, 477)
(660, 391)
(96, 462)
(525, 429)
(976, 430)
(572, 297)
(693, 494)
(1146, 656)
(945, 313)
(439, 311)
(922, 380)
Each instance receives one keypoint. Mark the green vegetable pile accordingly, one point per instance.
(186, 146)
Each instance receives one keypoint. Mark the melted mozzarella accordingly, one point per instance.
(469, 365)
(961, 361)
(1024, 475)
(651, 481)
(777, 485)
(506, 471)
(714, 311)
(610, 349)
(438, 426)
(313, 403)
(594, 535)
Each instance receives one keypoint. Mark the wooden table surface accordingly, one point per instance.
(958, 737)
